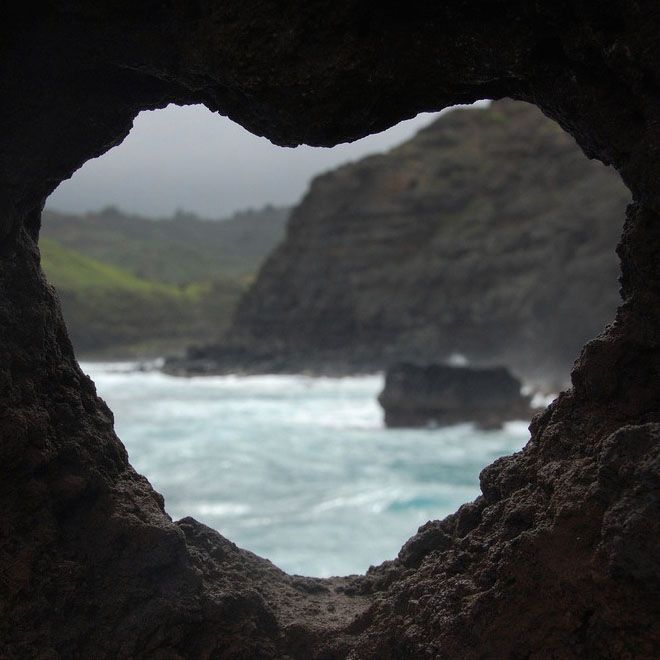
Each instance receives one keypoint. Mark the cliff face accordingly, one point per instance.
(488, 234)
(559, 556)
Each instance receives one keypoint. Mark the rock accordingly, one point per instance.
(440, 395)
(559, 556)
(482, 235)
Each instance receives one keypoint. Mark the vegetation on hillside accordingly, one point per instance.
(135, 286)
(177, 250)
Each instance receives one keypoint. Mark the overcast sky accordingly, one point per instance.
(191, 159)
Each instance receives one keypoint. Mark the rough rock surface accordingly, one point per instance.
(483, 235)
(559, 557)
(440, 395)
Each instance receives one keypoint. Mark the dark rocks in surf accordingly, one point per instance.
(440, 395)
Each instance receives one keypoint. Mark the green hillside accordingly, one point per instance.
(133, 286)
(177, 250)
(71, 270)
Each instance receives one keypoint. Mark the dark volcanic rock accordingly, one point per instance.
(442, 394)
(485, 234)
(560, 555)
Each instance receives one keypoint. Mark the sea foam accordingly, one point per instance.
(297, 469)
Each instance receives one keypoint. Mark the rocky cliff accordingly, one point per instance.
(488, 234)
(558, 558)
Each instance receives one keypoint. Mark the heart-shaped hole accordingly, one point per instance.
(302, 470)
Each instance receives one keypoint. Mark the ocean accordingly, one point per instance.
(297, 469)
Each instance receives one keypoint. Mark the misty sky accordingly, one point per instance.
(188, 158)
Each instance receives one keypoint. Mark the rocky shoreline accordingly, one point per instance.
(220, 361)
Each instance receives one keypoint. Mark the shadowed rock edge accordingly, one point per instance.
(557, 558)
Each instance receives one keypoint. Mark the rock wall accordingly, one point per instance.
(557, 558)
(488, 234)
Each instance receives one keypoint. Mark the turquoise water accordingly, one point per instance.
(297, 469)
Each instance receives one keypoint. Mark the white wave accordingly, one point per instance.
(457, 360)
(225, 509)
(540, 400)
(374, 501)
(283, 464)
(517, 428)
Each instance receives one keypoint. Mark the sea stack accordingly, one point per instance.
(438, 394)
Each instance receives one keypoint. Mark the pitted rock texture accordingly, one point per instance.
(559, 558)
(483, 235)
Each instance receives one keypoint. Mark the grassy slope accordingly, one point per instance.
(70, 270)
(130, 284)
(108, 309)
(176, 250)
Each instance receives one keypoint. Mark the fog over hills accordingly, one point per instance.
(189, 158)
